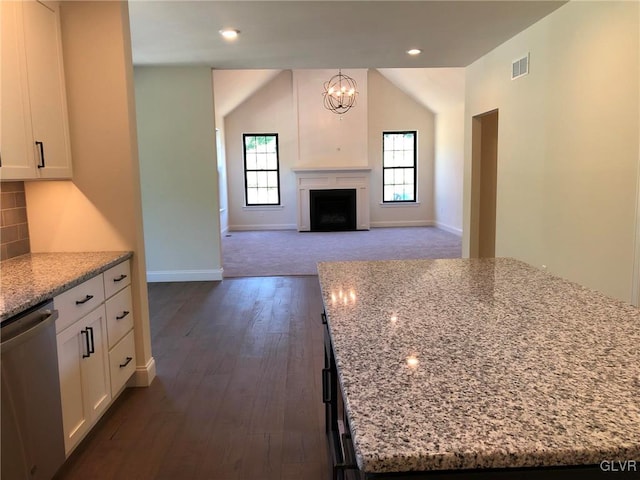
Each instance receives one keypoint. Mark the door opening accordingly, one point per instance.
(484, 174)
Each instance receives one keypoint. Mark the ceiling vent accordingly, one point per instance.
(520, 67)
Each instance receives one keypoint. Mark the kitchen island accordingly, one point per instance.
(478, 367)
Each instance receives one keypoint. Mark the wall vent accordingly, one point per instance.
(520, 67)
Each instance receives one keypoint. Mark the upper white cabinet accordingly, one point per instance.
(34, 139)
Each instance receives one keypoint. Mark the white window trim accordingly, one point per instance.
(399, 204)
(263, 207)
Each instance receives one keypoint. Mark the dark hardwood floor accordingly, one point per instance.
(237, 394)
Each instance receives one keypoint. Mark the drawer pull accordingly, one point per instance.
(86, 299)
(127, 361)
(124, 314)
(120, 278)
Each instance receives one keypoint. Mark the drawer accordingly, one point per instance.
(122, 363)
(116, 278)
(78, 301)
(119, 315)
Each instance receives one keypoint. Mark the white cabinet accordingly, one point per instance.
(34, 139)
(96, 348)
(122, 354)
(84, 376)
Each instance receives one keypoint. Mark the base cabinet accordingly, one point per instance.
(96, 348)
(84, 377)
(341, 452)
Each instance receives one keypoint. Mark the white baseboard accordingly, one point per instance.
(276, 226)
(448, 228)
(403, 223)
(184, 275)
(144, 375)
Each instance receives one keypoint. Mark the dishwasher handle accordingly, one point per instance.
(43, 319)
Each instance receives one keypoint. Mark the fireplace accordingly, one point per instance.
(310, 179)
(333, 210)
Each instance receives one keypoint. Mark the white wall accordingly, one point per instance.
(178, 169)
(269, 110)
(101, 208)
(223, 196)
(230, 88)
(448, 169)
(391, 109)
(568, 143)
(326, 139)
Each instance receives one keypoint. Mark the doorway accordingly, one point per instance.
(484, 174)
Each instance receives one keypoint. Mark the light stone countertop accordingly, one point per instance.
(515, 367)
(30, 279)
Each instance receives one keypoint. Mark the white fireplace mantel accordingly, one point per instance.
(327, 178)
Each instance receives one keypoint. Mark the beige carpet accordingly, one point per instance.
(288, 252)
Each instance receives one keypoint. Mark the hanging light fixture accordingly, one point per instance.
(340, 93)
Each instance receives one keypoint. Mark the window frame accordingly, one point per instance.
(414, 167)
(246, 170)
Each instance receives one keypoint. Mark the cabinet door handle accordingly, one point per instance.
(323, 316)
(40, 145)
(86, 339)
(85, 300)
(127, 361)
(93, 345)
(124, 314)
(326, 385)
(120, 278)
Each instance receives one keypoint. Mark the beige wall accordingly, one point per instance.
(325, 138)
(391, 109)
(568, 143)
(269, 110)
(230, 88)
(179, 179)
(448, 168)
(101, 208)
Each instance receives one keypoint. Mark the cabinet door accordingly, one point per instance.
(16, 135)
(84, 379)
(45, 77)
(75, 417)
(96, 385)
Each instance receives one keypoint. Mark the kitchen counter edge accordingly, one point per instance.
(27, 292)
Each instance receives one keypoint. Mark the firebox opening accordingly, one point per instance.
(333, 210)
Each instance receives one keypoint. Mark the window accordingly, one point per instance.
(261, 175)
(399, 166)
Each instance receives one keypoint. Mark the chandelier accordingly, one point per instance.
(340, 93)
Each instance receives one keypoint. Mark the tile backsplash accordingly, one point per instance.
(14, 230)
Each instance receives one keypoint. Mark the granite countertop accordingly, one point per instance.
(481, 363)
(30, 279)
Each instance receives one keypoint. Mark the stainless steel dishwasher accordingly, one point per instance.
(32, 434)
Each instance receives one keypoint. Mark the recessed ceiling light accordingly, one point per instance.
(229, 33)
(414, 51)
